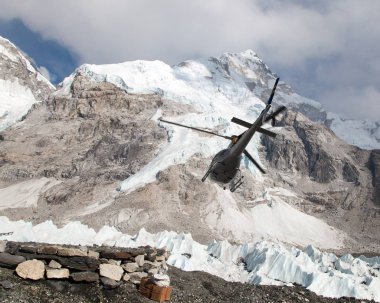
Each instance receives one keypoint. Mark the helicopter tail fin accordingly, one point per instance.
(273, 91)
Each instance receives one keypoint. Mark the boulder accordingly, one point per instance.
(31, 269)
(109, 283)
(111, 271)
(10, 261)
(54, 264)
(6, 284)
(113, 262)
(130, 267)
(52, 273)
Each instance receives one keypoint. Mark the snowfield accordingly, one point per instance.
(262, 262)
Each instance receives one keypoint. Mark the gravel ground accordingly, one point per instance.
(187, 287)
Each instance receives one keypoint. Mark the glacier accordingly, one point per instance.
(260, 263)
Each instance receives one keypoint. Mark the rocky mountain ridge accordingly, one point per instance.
(94, 151)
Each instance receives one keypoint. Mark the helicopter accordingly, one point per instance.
(225, 166)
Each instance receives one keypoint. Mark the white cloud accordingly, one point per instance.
(45, 72)
(286, 34)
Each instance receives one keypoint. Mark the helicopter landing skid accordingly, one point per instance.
(235, 186)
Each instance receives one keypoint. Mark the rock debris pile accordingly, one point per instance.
(109, 265)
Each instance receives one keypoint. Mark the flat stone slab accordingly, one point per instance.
(72, 252)
(47, 250)
(10, 261)
(110, 254)
(85, 276)
(62, 273)
(31, 269)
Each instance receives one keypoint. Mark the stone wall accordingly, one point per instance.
(109, 265)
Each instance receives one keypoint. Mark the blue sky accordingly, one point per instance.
(326, 50)
(56, 58)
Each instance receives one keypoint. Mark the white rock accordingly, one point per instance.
(114, 262)
(130, 267)
(111, 271)
(153, 271)
(161, 280)
(93, 254)
(160, 258)
(31, 269)
(54, 264)
(135, 277)
(62, 273)
(139, 260)
(126, 277)
(3, 244)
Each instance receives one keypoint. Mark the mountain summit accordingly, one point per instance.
(21, 85)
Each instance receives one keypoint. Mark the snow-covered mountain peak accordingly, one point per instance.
(215, 85)
(21, 85)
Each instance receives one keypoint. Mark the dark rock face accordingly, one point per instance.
(10, 261)
(374, 165)
(85, 276)
(300, 150)
(320, 162)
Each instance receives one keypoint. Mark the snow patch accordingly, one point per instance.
(269, 217)
(15, 101)
(26, 193)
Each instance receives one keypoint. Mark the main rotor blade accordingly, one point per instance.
(254, 162)
(273, 90)
(197, 129)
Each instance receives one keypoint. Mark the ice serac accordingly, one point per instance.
(262, 262)
(21, 85)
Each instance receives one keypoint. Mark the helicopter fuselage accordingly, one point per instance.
(225, 166)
